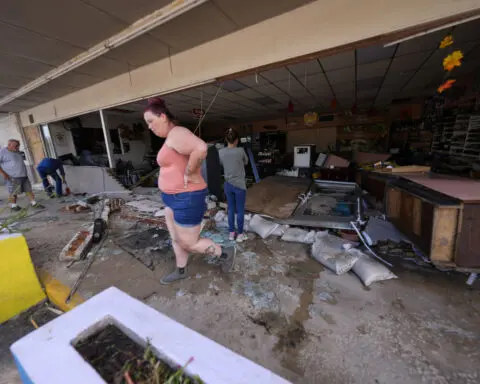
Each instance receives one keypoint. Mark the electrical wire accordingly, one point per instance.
(208, 109)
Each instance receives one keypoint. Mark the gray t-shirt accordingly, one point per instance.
(233, 161)
(12, 163)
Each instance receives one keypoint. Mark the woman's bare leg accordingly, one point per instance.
(181, 255)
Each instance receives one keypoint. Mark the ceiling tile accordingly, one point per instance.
(200, 27)
(342, 60)
(141, 51)
(467, 31)
(346, 75)
(407, 63)
(248, 93)
(128, 10)
(268, 89)
(278, 74)
(426, 42)
(318, 80)
(76, 79)
(17, 41)
(290, 86)
(79, 24)
(367, 94)
(374, 53)
(309, 68)
(20, 66)
(373, 82)
(374, 69)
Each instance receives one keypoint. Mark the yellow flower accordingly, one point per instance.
(453, 60)
(446, 85)
(447, 40)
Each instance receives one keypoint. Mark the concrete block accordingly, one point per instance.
(78, 246)
(19, 285)
(46, 355)
(88, 179)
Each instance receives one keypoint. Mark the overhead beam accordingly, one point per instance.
(141, 26)
(318, 29)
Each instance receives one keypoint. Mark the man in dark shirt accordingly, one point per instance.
(51, 167)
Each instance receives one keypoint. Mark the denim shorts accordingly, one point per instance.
(188, 207)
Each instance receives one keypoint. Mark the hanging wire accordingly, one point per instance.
(208, 109)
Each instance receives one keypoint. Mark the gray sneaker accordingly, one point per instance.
(176, 275)
(227, 259)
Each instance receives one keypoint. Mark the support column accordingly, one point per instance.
(108, 142)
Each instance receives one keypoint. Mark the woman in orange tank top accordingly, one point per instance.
(183, 190)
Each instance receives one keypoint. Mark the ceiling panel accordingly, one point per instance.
(195, 27)
(19, 66)
(253, 80)
(374, 53)
(467, 31)
(427, 42)
(367, 94)
(248, 93)
(374, 69)
(10, 81)
(241, 11)
(290, 86)
(407, 63)
(140, 51)
(52, 90)
(18, 105)
(395, 80)
(268, 89)
(22, 43)
(103, 68)
(345, 75)
(79, 24)
(370, 83)
(278, 74)
(128, 10)
(335, 62)
(315, 81)
(308, 68)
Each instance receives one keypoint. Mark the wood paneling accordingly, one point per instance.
(35, 143)
(468, 244)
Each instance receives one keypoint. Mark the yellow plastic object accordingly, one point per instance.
(19, 285)
(57, 292)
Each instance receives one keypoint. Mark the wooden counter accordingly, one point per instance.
(440, 214)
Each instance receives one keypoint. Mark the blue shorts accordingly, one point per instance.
(188, 207)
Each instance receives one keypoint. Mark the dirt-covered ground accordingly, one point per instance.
(280, 308)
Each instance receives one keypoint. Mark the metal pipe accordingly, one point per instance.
(366, 245)
(108, 142)
(145, 24)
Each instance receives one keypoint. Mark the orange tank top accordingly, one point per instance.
(172, 170)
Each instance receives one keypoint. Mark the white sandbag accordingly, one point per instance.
(220, 216)
(327, 250)
(280, 230)
(298, 235)
(369, 270)
(262, 227)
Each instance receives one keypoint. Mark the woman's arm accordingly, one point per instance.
(186, 143)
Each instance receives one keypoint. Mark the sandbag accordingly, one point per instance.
(298, 235)
(327, 250)
(262, 227)
(280, 230)
(369, 270)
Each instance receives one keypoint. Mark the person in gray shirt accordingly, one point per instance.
(233, 160)
(13, 170)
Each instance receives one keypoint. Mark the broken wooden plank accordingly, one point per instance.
(444, 234)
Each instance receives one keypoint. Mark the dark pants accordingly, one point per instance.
(236, 204)
(44, 172)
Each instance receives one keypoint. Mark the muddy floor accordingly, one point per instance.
(283, 310)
